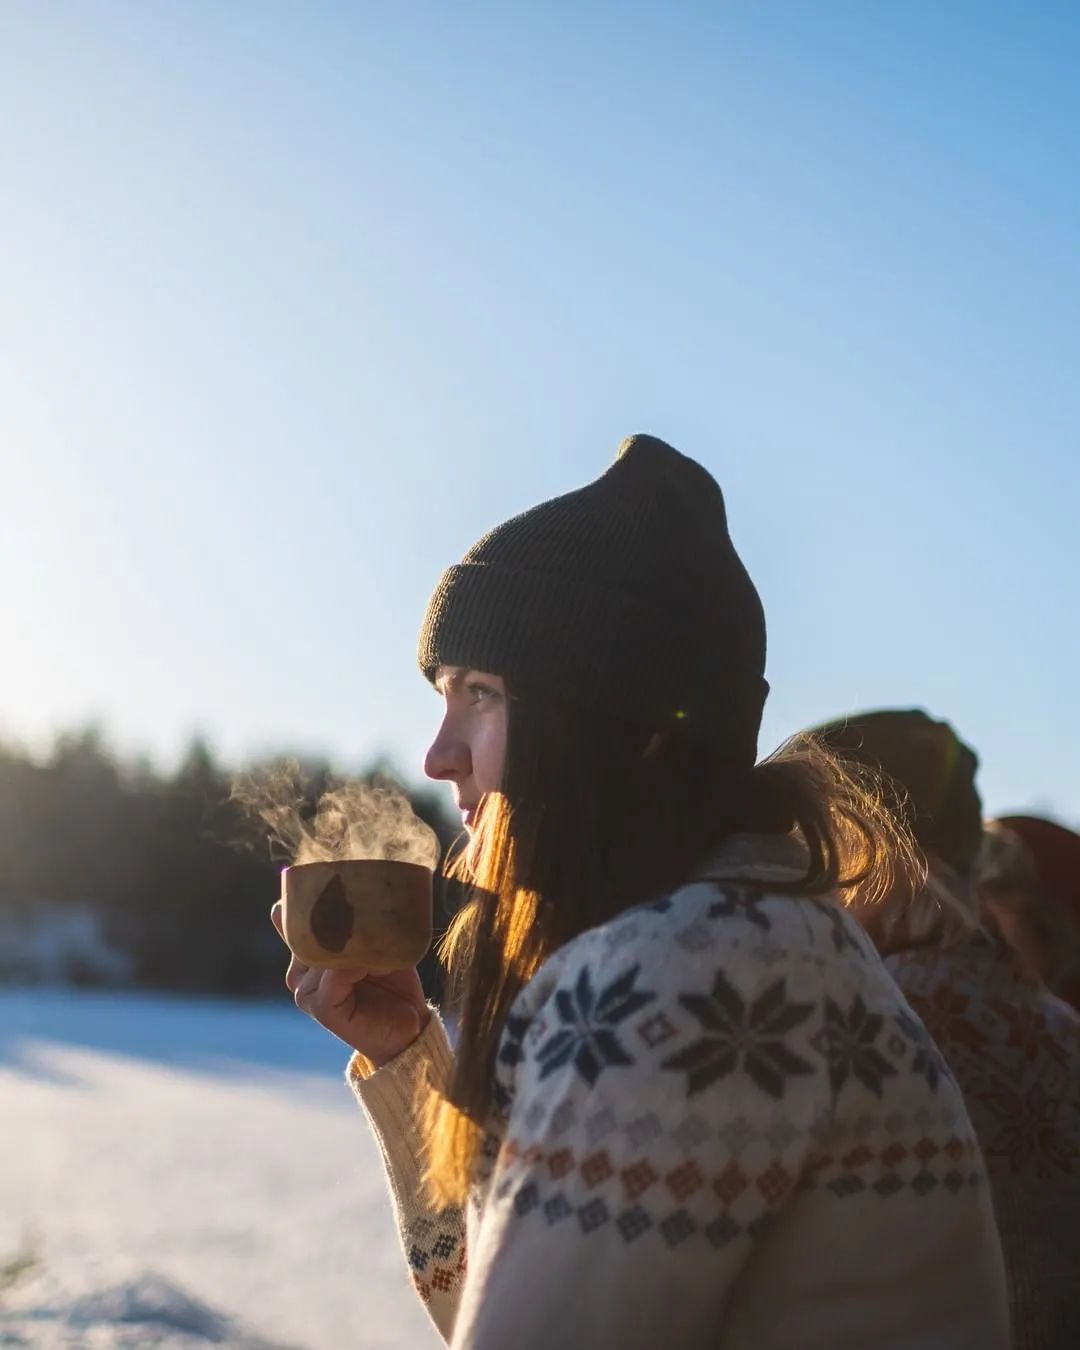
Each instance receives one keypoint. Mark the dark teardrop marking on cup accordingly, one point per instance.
(332, 917)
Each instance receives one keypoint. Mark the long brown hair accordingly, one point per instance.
(596, 815)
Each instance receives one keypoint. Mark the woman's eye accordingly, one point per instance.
(480, 693)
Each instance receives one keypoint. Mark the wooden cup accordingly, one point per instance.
(368, 916)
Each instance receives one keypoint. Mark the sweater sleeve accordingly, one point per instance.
(433, 1241)
(660, 1116)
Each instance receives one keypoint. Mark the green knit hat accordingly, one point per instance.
(626, 595)
(932, 766)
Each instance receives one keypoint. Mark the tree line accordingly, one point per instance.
(181, 879)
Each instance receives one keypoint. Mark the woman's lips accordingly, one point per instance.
(468, 815)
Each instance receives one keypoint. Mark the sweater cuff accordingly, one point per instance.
(390, 1099)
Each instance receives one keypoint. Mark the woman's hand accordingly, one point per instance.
(379, 1015)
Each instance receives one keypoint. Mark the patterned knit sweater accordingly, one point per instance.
(1015, 1050)
(719, 1124)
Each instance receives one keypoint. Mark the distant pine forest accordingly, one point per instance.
(115, 873)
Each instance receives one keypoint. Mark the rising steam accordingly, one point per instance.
(351, 820)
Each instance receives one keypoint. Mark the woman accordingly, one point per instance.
(1013, 1048)
(688, 1106)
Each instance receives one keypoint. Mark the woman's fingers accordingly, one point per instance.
(297, 969)
(338, 997)
(372, 1014)
(307, 987)
(295, 973)
(339, 985)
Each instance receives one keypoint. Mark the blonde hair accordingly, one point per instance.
(940, 908)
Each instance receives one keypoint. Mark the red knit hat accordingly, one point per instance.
(1055, 851)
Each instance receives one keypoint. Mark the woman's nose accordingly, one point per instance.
(448, 758)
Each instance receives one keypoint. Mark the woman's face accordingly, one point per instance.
(470, 746)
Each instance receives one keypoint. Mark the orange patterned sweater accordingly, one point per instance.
(1015, 1051)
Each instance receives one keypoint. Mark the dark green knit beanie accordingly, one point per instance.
(626, 595)
(932, 767)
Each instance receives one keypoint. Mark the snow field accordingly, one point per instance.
(209, 1145)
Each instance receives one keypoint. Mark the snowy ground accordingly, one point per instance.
(188, 1172)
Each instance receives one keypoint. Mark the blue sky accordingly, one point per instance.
(297, 300)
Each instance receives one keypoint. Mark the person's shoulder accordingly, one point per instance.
(731, 986)
(671, 945)
(979, 975)
(734, 987)
(662, 997)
